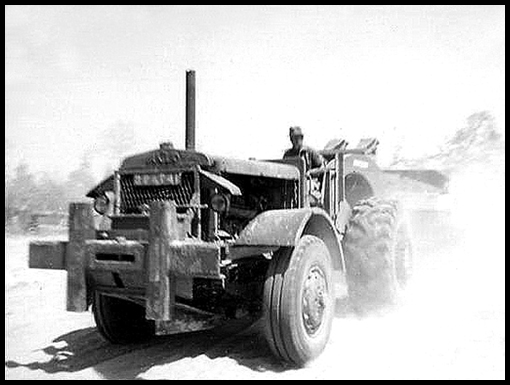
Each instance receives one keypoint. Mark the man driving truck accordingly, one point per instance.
(312, 158)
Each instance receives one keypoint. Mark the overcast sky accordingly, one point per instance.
(404, 74)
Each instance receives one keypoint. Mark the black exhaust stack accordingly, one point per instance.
(190, 110)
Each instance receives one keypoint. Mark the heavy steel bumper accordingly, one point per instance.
(157, 264)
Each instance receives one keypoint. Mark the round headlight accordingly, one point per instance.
(101, 204)
(219, 203)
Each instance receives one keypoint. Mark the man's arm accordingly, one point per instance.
(316, 159)
(290, 153)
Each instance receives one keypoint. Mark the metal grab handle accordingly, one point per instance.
(353, 151)
(318, 171)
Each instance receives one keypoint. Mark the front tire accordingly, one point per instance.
(299, 301)
(121, 321)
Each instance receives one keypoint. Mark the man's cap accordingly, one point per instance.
(295, 131)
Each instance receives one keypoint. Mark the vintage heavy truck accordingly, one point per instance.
(188, 241)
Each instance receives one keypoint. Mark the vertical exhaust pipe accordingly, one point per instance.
(190, 110)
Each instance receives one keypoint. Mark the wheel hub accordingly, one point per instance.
(314, 300)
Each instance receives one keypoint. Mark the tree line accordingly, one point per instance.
(28, 195)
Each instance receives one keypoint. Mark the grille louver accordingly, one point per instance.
(132, 197)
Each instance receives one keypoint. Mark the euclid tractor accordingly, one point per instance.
(188, 241)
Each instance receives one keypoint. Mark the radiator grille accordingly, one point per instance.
(132, 197)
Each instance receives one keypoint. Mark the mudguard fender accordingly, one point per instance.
(283, 228)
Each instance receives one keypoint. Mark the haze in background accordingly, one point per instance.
(97, 81)
(90, 84)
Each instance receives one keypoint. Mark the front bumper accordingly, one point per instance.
(150, 268)
(189, 258)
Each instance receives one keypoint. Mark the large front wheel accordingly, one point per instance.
(299, 301)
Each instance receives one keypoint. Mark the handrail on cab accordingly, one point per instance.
(333, 153)
(347, 151)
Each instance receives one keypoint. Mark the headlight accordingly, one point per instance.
(220, 203)
(101, 204)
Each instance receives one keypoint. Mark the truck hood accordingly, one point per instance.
(168, 159)
(164, 159)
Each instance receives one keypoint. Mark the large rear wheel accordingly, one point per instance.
(121, 321)
(378, 254)
(299, 301)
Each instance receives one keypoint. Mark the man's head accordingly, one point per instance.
(296, 137)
